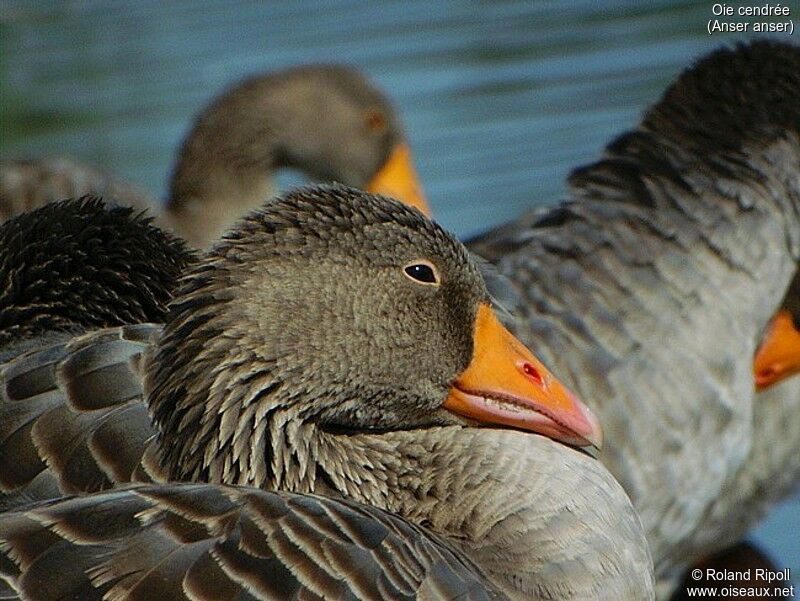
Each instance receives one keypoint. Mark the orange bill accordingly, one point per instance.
(398, 179)
(506, 385)
(778, 357)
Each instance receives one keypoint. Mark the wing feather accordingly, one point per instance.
(201, 542)
(72, 418)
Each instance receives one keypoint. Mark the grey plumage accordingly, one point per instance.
(225, 165)
(771, 471)
(649, 289)
(206, 542)
(28, 184)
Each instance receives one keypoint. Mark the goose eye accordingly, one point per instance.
(422, 272)
(376, 121)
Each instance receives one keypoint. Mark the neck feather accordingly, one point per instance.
(494, 493)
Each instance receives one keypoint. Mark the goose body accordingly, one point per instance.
(327, 121)
(28, 184)
(259, 378)
(649, 290)
(771, 471)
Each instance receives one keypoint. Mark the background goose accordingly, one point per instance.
(332, 344)
(651, 286)
(775, 468)
(26, 184)
(327, 121)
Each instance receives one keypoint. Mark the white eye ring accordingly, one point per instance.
(422, 271)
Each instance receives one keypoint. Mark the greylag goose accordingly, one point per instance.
(337, 344)
(327, 121)
(773, 468)
(649, 288)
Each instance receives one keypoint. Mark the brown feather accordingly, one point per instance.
(116, 541)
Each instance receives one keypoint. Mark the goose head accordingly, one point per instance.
(327, 121)
(778, 355)
(346, 312)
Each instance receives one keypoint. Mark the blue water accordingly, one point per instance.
(500, 99)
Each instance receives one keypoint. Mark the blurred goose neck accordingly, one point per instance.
(224, 168)
(327, 121)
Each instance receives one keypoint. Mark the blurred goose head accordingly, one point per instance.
(327, 121)
(778, 355)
